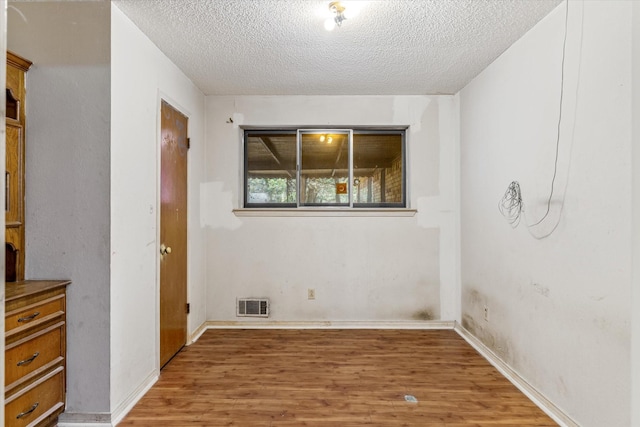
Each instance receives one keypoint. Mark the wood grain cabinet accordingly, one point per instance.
(35, 310)
(35, 352)
(15, 166)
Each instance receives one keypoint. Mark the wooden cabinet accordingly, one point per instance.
(35, 352)
(14, 173)
(35, 310)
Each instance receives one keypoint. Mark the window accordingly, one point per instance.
(324, 168)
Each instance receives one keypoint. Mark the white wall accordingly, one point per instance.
(362, 269)
(140, 76)
(67, 176)
(635, 325)
(559, 308)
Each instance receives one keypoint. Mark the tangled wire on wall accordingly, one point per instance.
(511, 205)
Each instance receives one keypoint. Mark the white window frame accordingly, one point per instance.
(366, 209)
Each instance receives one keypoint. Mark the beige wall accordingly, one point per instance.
(559, 307)
(362, 269)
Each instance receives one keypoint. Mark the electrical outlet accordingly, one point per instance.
(311, 294)
(486, 313)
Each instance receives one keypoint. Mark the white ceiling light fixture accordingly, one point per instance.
(338, 16)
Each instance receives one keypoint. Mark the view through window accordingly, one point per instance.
(329, 167)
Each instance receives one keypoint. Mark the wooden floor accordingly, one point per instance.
(342, 378)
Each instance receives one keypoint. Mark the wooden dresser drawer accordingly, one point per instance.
(28, 357)
(34, 314)
(37, 402)
(35, 352)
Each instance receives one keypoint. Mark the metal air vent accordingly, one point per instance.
(252, 307)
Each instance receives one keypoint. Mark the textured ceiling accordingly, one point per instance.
(280, 47)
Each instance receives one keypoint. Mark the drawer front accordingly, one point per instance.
(36, 402)
(26, 357)
(34, 314)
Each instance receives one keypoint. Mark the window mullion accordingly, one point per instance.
(350, 186)
(298, 166)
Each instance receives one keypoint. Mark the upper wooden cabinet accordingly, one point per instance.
(17, 68)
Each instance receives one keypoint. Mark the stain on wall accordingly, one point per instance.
(480, 325)
(425, 314)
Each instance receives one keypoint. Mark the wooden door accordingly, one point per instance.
(173, 233)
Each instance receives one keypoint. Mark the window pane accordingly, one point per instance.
(324, 169)
(378, 163)
(270, 167)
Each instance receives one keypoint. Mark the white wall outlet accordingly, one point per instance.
(311, 293)
(486, 313)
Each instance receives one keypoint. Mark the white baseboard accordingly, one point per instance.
(123, 408)
(79, 419)
(527, 389)
(84, 419)
(275, 324)
(196, 334)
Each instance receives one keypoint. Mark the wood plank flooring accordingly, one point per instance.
(342, 378)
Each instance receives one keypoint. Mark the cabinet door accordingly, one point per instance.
(14, 199)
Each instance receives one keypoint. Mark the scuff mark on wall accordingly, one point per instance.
(425, 314)
(541, 289)
(474, 304)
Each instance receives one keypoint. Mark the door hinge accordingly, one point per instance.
(188, 308)
(188, 143)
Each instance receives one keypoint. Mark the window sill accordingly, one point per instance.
(325, 212)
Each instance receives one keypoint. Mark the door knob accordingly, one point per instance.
(165, 249)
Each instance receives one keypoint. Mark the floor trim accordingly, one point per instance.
(531, 392)
(193, 337)
(123, 408)
(80, 419)
(329, 324)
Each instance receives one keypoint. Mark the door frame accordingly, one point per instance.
(163, 96)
